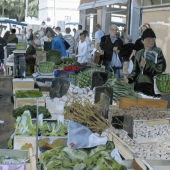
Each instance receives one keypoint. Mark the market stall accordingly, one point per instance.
(83, 117)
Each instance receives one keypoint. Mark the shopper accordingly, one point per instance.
(88, 41)
(43, 25)
(138, 43)
(2, 45)
(30, 36)
(111, 45)
(98, 35)
(77, 35)
(126, 52)
(146, 67)
(74, 32)
(12, 37)
(69, 38)
(58, 31)
(57, 43)
(81, 57)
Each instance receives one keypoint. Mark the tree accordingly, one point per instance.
(15, 9)
(32, 8)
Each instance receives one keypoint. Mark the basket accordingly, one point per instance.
(46, 67)
(163, 82)
(21, 46)
(53, 56)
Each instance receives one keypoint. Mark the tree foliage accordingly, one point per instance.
(15, 9)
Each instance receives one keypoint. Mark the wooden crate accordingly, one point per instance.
(20, 140)
(20, 102)
(126, 103)
(154, 122)
(23, 83)
(157, 164)
(125, 150)
(18, 153)
(134, 164)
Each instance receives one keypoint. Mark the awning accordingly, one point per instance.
(118, 24)
(12, 22)
(100, 3)
(86, 6)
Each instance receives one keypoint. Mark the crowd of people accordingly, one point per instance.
(116, 54)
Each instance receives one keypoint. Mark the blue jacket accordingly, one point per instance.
(58, 44)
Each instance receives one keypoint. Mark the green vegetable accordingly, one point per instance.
(63, 158)
(28, 94)
(33, 110)
(121, 89)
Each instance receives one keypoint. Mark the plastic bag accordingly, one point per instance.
(115, 154)
(130, 68)
(59, 88)
(79, 136)
(116, 61)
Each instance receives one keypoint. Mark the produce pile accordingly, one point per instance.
(159, 150)
(65, 158)
(139, 113)
(46, 144)
(25, 126)
(83, 79)
(121, 89)
(65, 62)
(142, 130)
(33, 110)
(86, 114)
(28, 94)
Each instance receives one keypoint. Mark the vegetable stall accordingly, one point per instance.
(68, 114)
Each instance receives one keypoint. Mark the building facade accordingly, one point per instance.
(58, 12)
(132, 13)
(103, 12)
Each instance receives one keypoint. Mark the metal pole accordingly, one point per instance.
(37, 135)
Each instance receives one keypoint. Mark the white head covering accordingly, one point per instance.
(37, 41)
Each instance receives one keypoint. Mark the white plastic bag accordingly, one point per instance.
(130, 68)
(116, 61)
(115, 154)
(79, 136)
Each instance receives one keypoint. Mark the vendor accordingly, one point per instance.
(145, 68)
(31, 57)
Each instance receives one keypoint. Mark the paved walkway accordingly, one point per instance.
(6, 107)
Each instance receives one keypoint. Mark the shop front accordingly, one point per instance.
(102, 12)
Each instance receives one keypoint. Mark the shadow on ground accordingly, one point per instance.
(6, 107)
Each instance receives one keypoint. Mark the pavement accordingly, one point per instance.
(6, 108)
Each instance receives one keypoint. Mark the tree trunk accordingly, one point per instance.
(3, 8)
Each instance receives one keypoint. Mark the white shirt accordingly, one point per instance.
(42, 26)
(82, 52)
(77, 35)
(98, 35)
(88, 41)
